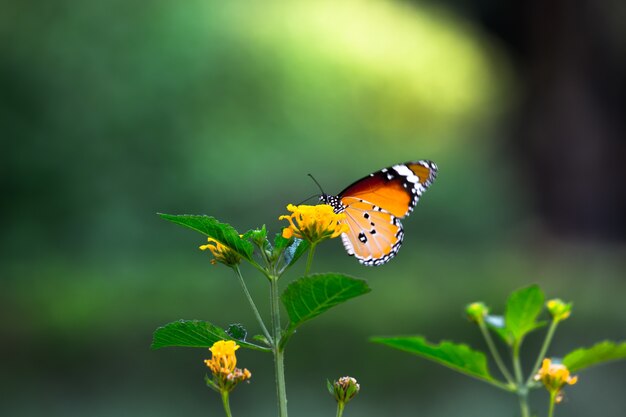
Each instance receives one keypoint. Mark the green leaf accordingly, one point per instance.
(280, 242)
(458, 357)
(261, 339)
(330, 387)
(311, 296)
(496, 324)
(194, 333)
(237, 331)
(293, 248)
(599, 353)
(257, 235)
(295, 251)
(259, 238)
(222, 232)
(522, 309)
(209, 383)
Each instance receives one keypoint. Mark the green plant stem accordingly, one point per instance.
(251, 301)
(553, 395)
(340, 406)
(501, 385)
(523, 402)
(309, 259)
(522, 390)
(542, 352)
(226, 403)
(495, 354)
(277, 350)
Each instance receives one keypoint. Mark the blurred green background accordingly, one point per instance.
(114, 110)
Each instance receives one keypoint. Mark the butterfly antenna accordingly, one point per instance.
(318, 184)
(304, 201)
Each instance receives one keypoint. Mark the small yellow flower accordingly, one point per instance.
(222, 253)
(555, 376)
(223, 366)
(223, 360)
(558, 309)
(313, 223)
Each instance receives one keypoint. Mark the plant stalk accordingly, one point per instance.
(553, 395)
(542, 352)
(523, 402)
(254, 308)
(522, 390)
(494, 353)
(226, 403)
(309, 259)
(277, 350)
(340, 406)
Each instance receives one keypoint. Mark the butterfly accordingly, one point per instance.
(374, 206)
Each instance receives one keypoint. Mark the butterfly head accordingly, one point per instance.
(333, 201)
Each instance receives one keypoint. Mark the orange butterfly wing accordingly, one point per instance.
(396, 189)
(374, 236)
(374, 205)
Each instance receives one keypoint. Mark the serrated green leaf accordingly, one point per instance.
(237, 331)
(211, 227)
(194, 333)
(522, 309)
(310, 296)
(458, 357)
(599, 353)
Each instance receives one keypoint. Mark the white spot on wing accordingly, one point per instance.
(406, 173)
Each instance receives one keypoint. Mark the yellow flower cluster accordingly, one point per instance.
(223, 360)
(223, 365)
(221, 253)
(555, 376)
(313, 223)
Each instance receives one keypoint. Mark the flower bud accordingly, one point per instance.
(221, 253)
(476, 312)
(344, 389)
(558, 309)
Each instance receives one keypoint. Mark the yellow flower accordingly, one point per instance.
(224, 359)
(313, 223)
(555, 376)
(223, 366)
(222, 253)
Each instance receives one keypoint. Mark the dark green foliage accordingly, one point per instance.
(522, 309)
(194, 333)
(599, 353)
(456, 356)
(312, 295)
(222, 232)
